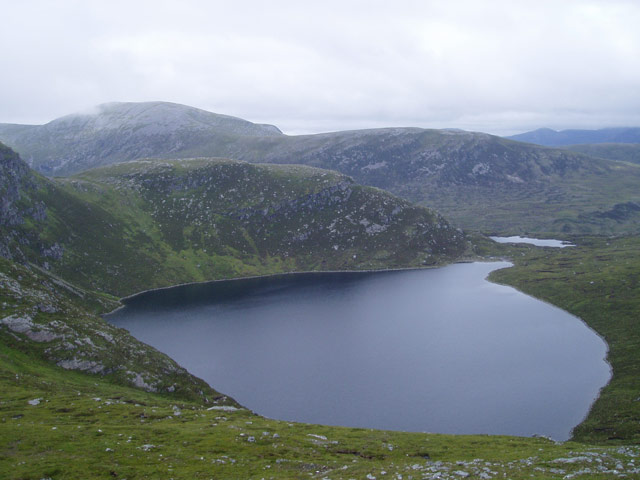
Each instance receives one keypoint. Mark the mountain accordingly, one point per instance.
(622, 152)
(114, 132)
(553, 138)
(476, 180)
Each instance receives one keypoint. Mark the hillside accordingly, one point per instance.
(51, 320)
(146, 224)
(554, 138)
(478, 181)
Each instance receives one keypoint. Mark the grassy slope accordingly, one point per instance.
(599, 281)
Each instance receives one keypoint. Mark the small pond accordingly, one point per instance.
(533, 241)
(440, 350)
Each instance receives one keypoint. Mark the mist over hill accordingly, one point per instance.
(115, 132)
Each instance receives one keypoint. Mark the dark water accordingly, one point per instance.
(430, 350)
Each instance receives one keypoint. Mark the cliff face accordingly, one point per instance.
(20, 206)
(15, 181)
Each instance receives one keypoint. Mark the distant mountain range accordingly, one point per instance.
(479, 181)
(553, 138)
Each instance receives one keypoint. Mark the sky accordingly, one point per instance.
(501, 67)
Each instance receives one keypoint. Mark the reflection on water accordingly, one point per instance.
(426, 350)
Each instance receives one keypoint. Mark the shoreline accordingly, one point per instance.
(510, 264)
(607, 347)
(269, 275)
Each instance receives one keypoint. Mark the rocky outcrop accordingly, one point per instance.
(23, 213)
(15, 181)
(40, 316)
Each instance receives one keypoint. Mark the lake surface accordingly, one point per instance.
(439, 350)
(533, 241)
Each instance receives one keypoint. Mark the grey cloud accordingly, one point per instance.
(502, 66)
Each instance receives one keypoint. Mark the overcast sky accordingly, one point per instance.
(310, 66)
